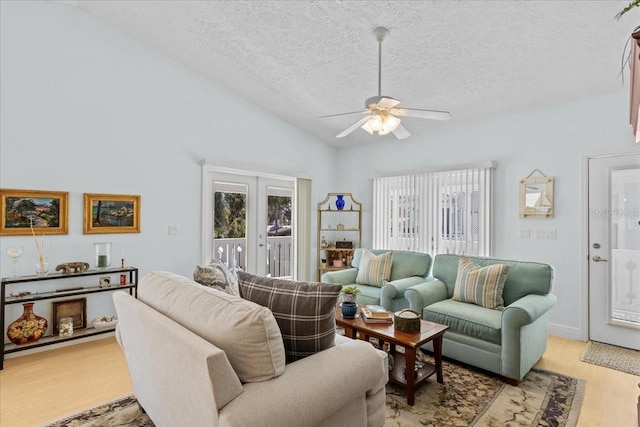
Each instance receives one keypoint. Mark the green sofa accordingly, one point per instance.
(505, 341)
(407, 269)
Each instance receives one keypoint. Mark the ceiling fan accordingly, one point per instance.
(380, 112)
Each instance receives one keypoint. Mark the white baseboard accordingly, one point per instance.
(566, 332)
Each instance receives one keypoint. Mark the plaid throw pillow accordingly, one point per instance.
(480, 285)
(304, 311)
(374, 270)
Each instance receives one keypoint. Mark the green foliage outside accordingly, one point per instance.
(229, 215)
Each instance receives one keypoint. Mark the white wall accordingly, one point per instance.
(85, 108)
(553, 140)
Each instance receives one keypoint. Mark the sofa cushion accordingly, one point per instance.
(375, 270)
(217, 275)
(247, 332)
(466, 319)
(524, 277)
(480, 285)
(305, 311)
(404, 264)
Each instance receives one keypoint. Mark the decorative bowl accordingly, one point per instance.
(104, 322)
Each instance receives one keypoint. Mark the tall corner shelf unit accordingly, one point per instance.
(339, 232)
(71, 286)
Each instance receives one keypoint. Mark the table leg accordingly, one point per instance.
(410, 375)
(350, 332)
(437, 355)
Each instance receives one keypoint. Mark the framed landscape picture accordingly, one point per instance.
(111, 213)
(47, 211)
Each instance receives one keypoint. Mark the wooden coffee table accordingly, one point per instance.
(384, 332)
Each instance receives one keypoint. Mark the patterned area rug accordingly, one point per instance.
(611, 356)
(468, 397)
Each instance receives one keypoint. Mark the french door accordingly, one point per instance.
(614, 250)
(248, 222)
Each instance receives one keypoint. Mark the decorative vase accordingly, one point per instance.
(340, 201)
(28, 328)
(103, 254)
(42, 268)
(349, 309)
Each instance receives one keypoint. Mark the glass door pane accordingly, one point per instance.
(624, 217)
(279, 253)
(230, 223)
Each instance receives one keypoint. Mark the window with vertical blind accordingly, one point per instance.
(435, 212)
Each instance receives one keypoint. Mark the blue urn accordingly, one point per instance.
(340, 201)
(349, 309)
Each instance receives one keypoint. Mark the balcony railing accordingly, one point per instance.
(279, 254)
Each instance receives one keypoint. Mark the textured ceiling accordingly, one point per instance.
(304, 59)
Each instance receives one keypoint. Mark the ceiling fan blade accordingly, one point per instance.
(386, 102)
(401, 132)
(423, 114)
(353, 127)
(343, 114)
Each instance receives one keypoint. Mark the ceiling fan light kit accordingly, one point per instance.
(381, 112)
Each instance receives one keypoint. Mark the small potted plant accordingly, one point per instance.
(349, 307)
(349, 293)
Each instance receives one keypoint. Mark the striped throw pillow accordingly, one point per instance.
(374, 270)
(304, 311)
(480, 285)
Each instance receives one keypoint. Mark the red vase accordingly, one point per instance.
(28, 328)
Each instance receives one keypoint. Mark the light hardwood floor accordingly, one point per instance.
(40, 388)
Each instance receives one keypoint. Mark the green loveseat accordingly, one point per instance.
(506, 341)
(407, 269)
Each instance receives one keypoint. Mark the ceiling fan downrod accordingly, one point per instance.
(380, 33)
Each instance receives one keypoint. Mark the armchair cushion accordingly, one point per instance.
(480, 285)
(375, 270)
(467, 319)
(305, 311)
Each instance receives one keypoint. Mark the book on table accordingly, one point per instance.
(376, 314)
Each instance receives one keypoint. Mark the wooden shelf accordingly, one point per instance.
(350, 223)
(52, 339)
(7, 282)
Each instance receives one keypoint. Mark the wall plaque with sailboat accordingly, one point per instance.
(111, 213)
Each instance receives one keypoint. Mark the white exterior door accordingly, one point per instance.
(247, 222)
(614, 250)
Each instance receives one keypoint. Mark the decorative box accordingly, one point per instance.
(344, 245)
(407, 321)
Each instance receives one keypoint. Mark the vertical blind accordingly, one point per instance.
(437, 212)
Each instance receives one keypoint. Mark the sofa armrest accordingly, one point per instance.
(325, 382)
(342, 277)
(524, 334)
(161, 390)
(396, 289)
(424, 294)
(527, 309)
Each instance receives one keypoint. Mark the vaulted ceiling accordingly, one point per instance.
(304, 59)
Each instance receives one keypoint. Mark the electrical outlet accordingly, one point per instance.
(172, 230)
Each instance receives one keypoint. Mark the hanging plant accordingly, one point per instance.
(626, 57)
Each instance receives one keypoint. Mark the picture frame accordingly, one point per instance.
(47, 211)
(111, 213)
(74, 308)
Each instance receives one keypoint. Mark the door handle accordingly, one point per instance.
(596, 258)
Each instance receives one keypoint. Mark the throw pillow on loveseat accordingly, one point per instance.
(304, 311)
